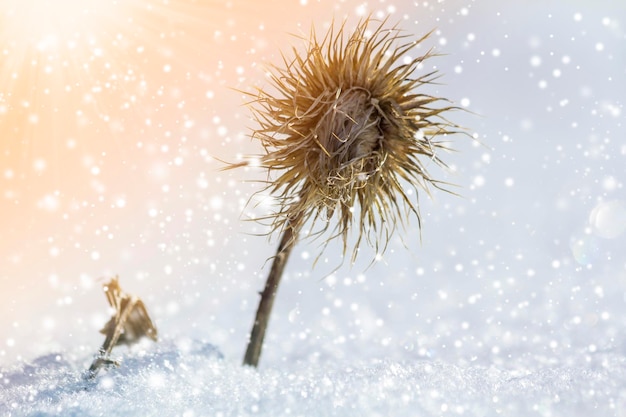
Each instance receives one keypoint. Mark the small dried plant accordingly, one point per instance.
(129, 323)
(346, 136)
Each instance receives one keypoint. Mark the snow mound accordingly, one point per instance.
(193, 379)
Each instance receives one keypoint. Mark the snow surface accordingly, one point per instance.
(192, 379)
(510, 301)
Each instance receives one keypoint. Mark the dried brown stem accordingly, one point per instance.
(287, 242)
(129, 323)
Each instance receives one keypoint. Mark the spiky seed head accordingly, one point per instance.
(348, 132)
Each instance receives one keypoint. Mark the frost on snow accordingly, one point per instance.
(191, 378)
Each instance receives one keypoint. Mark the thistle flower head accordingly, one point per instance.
(348, 132)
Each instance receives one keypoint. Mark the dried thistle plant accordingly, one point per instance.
(348, 132)
(129, 323)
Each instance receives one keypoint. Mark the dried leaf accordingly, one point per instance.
(128, 325)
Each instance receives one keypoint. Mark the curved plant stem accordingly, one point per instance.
(287, 242)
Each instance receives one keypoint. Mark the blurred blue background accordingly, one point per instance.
(109, 166)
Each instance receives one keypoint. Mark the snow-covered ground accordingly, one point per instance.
(510, 302)
(190, 379)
